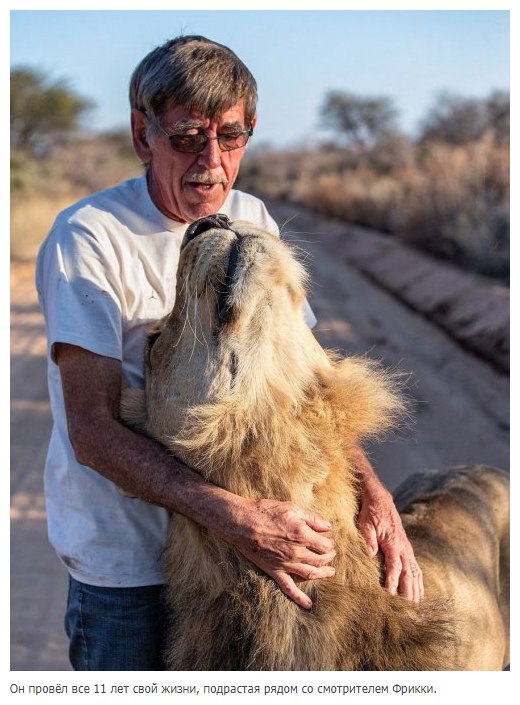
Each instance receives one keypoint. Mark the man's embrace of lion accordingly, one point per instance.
(239, 389)
(107, 269)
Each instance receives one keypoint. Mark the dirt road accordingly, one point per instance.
(460, 406)
(38, 581)
(461, 402)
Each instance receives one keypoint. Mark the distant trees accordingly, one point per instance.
(41, 107)
(457, 120)
(366, 122)
(360, 121)
(444, 191)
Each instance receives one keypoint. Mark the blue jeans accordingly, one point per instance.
(115, 629)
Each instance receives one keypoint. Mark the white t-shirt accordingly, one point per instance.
(107, 269)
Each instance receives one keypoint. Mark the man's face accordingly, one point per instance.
(189, 186)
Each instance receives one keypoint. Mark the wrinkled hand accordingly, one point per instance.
(380, 524)
(284, 541)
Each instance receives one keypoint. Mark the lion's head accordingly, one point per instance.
(237, 327)
(235, 368)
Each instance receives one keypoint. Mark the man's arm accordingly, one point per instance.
(381, 525)
(278, 537)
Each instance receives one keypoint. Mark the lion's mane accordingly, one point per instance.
(239, 389)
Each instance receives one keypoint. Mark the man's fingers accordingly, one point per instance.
(421, 584)
(368, 531)
(311, 540)
(414, 589)
(289, 588)
(393, 571)
(382, 528)
(316, 522)
(407, 588)
(310, 534)
(311, 558)
(411, 581)
(290, 551)
(310, 572)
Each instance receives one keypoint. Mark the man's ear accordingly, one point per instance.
(139, 124)
(253, 123)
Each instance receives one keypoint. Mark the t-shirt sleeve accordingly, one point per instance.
(269, 223)
(79, 291)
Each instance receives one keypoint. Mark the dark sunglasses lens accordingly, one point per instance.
(229, 142)
(188, 143)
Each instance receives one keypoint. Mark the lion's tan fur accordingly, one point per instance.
(258, 407)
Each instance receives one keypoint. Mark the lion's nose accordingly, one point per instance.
(202, 225)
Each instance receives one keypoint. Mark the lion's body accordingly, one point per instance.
(238, 388)
(458, 523)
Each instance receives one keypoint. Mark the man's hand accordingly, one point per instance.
(382, 528)
(282, 540)
(380, 524)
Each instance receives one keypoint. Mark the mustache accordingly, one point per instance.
(206, 178)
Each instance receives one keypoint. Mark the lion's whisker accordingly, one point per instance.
(182, 290)
(197, 318)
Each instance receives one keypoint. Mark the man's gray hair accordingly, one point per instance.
(196, 73)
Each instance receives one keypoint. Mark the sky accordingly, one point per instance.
(296, 56)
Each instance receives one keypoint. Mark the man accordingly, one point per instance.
(106, 269)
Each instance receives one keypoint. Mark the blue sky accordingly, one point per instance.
(296, 56)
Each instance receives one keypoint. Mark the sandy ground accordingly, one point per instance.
(448, 331)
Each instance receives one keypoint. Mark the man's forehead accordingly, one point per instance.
(181, 114)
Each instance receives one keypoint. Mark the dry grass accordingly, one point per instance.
(452, 201)
(459, 205)
(356, 197)
(31, 219)
(41, 188)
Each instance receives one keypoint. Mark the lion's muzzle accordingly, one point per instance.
(219, 221)
(202, 225)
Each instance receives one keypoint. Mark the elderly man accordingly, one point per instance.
(106, 269)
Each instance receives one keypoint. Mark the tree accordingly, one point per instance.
(498, 107)
(361, 121)
(457, 120)
(41, 107)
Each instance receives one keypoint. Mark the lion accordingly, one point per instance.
(238, 388)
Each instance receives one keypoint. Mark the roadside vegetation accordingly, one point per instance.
(446, 191)
(53, 162)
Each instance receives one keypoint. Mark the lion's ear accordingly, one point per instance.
(132, 409)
